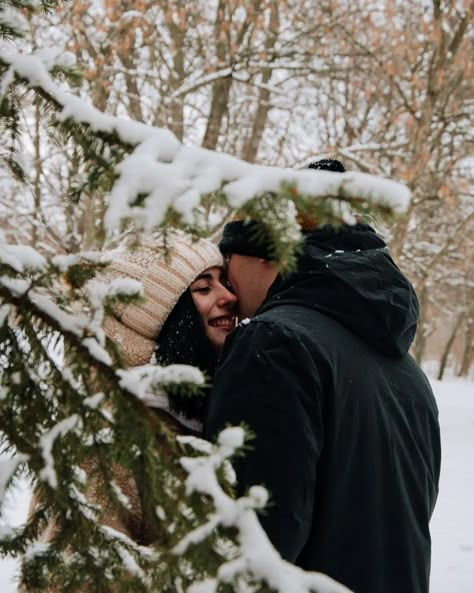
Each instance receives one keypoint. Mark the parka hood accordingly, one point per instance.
(349, 275)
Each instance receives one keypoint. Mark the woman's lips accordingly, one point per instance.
(224, 323)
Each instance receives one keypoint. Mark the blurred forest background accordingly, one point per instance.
(384, 86)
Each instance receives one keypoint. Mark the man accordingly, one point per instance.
(347, 434)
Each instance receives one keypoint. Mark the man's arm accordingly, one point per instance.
(268, 380)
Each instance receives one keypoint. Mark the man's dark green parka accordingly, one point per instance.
(347, 434)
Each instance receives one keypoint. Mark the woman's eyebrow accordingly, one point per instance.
(204, 276)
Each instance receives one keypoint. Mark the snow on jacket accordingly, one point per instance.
(346, 424)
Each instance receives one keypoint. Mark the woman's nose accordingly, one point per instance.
(226, 298)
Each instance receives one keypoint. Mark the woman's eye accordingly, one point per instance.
(203, 290)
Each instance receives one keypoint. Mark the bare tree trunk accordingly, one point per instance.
(133, 92)
(88, 224)
(447, 348)
(219, 106)
(221, 87)
(177, 106)
(399, 233)
(72, 240)
(468, 354)
(423, 330)
(37, 177)
(172, 116)
(250, 150)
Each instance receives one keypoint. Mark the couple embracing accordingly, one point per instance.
(346, 426)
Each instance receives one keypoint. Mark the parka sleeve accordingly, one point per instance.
(268, 380)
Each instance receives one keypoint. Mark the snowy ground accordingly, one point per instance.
(452, 526)
(453, 520)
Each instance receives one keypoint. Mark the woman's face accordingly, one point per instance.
(215, 303)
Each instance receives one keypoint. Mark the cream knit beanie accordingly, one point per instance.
(166, 266)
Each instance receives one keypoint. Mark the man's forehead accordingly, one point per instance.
(243, 264)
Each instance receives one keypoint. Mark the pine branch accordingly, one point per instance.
(77, 426)
(155, 181)
(255, 561)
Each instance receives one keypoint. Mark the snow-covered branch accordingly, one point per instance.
(142, 381)
(192, 85)
(8, 468)
(172, 175)
(257, 559)
(48, 473)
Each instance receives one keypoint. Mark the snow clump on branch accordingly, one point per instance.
(257, 559)
(170, 174)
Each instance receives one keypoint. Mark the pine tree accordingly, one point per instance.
(65, 407)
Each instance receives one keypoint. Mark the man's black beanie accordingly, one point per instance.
(328, 165)
(249, 237)
(245, 237)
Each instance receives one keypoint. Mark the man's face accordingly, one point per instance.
(250, 278)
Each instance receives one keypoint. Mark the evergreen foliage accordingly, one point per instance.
(60, 419)
(68, 418)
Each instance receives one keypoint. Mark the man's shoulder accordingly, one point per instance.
(293, 325)
(296, 318)
(265, 323)
(285, 319)
(280, 324)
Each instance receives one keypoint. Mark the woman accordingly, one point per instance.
(168, 265)
(186, 313)
(184, 317)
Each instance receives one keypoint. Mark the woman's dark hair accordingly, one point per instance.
(183, 340)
